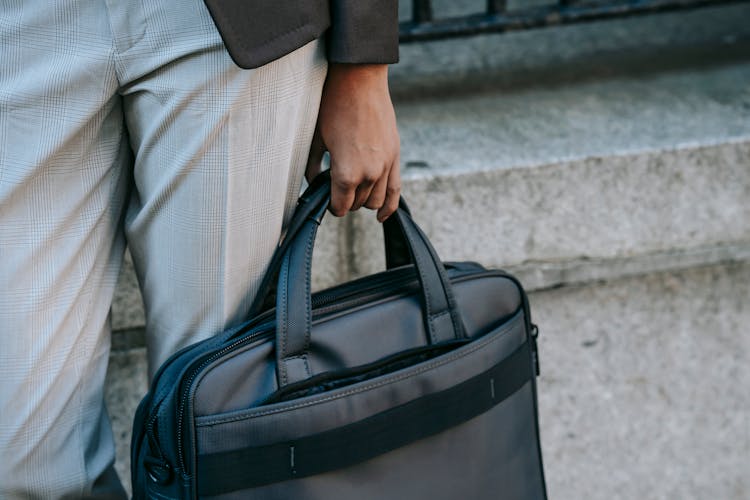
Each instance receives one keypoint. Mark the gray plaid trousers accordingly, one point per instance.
(126, 121)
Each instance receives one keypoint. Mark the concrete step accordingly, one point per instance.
(643, 392)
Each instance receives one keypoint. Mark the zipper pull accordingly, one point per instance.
(535, 350)
(158, 471)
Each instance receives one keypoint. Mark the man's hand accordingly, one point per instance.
(357, 126)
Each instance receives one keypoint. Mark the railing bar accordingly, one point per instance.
(421, 11)
(496, 6)
(424, 28)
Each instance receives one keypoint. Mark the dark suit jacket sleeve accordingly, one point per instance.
(363, 31)
(256, 32)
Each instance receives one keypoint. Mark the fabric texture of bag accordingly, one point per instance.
(414, 383)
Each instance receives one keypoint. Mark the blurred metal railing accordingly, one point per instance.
(498, 18)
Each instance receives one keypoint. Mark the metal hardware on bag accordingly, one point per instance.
(158, 471)
(535, 351)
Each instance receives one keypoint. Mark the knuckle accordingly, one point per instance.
(338, 212)
(369, 179)
(346, 183)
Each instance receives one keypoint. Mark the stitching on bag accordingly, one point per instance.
(308, 320)
(514, 323)
(308, 289)
(307, 365)
(420, 267)
(448, 294)
(436, 316)
(282, 347)
(303, 357)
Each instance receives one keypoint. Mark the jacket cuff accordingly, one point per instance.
(363, 31)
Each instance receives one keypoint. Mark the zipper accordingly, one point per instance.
(185, 389)
(397, 279)
(328, 381)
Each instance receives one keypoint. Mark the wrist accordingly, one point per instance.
(358, 73)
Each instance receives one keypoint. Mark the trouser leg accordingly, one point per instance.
(219, 158)
(64, 180)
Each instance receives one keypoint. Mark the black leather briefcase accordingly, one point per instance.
(414, 383)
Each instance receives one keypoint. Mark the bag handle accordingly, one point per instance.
(396, 248)
(293, 294)
(309, 202)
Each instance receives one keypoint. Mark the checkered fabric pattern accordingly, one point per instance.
(126, 121)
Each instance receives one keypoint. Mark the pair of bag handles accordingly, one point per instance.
(291, 266)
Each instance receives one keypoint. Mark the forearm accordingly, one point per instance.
(357, 125)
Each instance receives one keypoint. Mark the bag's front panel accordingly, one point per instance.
(480, 442)
(460, 463)
(285, 421)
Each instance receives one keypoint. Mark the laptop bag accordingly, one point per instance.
(417, 382)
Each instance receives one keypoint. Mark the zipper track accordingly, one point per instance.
(323, 298)
(360, 287)
(185, 390)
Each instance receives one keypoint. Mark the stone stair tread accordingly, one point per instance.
(547, 124)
